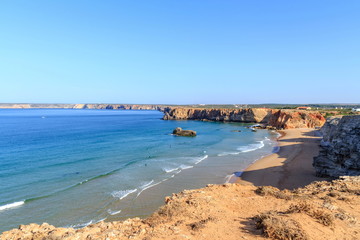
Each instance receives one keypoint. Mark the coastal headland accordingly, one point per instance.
(276, 197)
(277, 118)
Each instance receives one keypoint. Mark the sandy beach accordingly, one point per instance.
(291, 167)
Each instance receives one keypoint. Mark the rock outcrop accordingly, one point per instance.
(185, 133)
(280, 119)
(340, 148)
(322, 210)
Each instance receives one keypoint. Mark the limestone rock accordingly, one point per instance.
(276, 119)
(340, 149)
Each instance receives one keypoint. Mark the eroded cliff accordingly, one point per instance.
(281, 119)
(340, 149)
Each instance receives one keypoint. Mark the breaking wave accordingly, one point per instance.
(123, 193)
(11, 205)
(251, 147)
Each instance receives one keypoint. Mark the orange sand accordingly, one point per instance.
(291, 167)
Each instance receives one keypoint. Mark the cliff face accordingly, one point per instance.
(281, 119)
(257, 115)
(340, 149)
(296, 119)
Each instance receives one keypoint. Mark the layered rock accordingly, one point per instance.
(340, 149)
(281, 119)
(287, 119)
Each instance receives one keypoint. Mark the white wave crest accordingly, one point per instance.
(11, 205)
(169, 170)
(113, 212)
(200, 159)
(147, 187)
(228, 153)
(252, 147)
(183, 167)
(146, 184)
(80, 225)
(123, 193)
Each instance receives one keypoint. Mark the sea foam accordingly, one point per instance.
(123, 193)
(148, 186)
(113, 212)
(200, 159)
(252, 147)
(183, 167)
(169, 170)
(228, 153)
(11, 205)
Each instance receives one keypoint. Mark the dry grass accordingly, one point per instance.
(301, 207)
(272, 191)
(195, 226)
(279, 227)
(323, 217)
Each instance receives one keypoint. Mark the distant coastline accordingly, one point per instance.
(82, 106)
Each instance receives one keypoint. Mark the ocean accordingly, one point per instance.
(71, 168)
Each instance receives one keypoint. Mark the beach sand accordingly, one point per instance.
(291, 167)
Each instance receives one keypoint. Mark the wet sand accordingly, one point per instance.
(291, 167)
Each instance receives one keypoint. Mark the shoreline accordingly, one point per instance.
(291, 166)
(231, 211)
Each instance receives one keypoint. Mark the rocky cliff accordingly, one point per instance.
(281, 119)
(340, 149)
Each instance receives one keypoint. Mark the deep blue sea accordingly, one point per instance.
(71, 168)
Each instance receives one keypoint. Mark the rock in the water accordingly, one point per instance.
(186, 133)
(340, 149)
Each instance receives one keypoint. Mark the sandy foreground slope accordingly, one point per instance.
(321, 210)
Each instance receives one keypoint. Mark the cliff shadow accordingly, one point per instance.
(290, 168)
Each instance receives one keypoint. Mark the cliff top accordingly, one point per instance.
(321, 210)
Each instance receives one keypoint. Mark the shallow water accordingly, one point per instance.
(75, 167)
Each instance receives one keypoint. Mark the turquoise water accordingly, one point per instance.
(75, 167)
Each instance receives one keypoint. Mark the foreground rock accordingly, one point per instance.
(185, 133)
(322, 210)
(340, 149)
(279, 119)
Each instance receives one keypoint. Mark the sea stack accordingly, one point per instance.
(185, 133)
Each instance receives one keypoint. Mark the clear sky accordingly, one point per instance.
(180, 51)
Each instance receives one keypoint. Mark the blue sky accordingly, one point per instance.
(180, 52)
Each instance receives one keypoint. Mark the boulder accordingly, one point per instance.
(186, 133)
